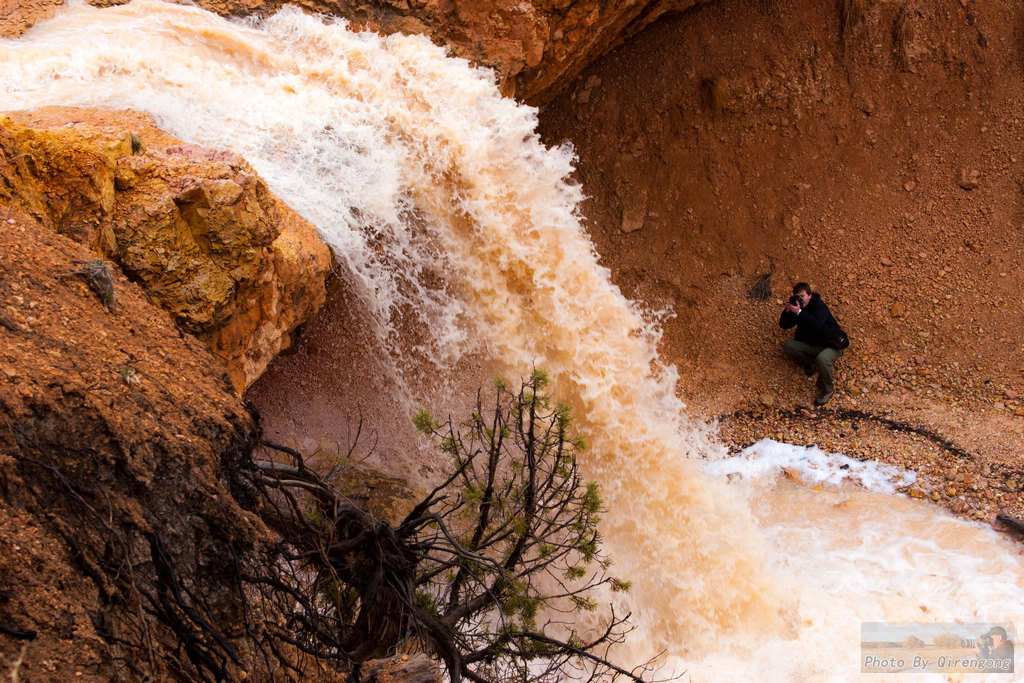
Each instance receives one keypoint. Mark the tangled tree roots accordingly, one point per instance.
(482, 575)
(460, 577)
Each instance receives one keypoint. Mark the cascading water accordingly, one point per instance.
(460, 232)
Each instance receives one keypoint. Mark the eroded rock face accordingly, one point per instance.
(534, 47)
(131, 504)
(118, 446)
(197, 227)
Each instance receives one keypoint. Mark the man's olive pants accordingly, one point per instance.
(819, 357)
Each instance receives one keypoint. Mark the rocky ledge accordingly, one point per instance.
(197, 228)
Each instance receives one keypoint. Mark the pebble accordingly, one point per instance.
(968, 179)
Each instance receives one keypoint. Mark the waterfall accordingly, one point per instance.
(460, 232)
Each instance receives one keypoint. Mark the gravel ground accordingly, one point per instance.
(966, 462)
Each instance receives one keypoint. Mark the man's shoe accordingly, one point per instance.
(823, 398)
(810, 370)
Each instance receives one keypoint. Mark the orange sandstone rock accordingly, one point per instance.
(196, 227)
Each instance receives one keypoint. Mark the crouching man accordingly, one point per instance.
(810, 345)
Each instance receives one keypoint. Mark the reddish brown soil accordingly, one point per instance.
(114, 426)
(741, 135)
(333, 386)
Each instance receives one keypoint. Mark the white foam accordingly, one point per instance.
(770, 457)
(850, 553)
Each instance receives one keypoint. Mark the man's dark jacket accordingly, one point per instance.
(813, 324)
(1004, 651)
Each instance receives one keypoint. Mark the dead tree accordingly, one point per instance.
(485, 573)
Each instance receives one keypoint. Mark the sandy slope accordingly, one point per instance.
(887, 172)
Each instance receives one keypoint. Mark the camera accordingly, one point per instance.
(982, 642)
(794, 300)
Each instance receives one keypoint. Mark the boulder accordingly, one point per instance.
(196, 227)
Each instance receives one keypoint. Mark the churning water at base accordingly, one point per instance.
(848, 553)
(452, 218)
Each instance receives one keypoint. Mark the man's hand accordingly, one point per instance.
(791, 308)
